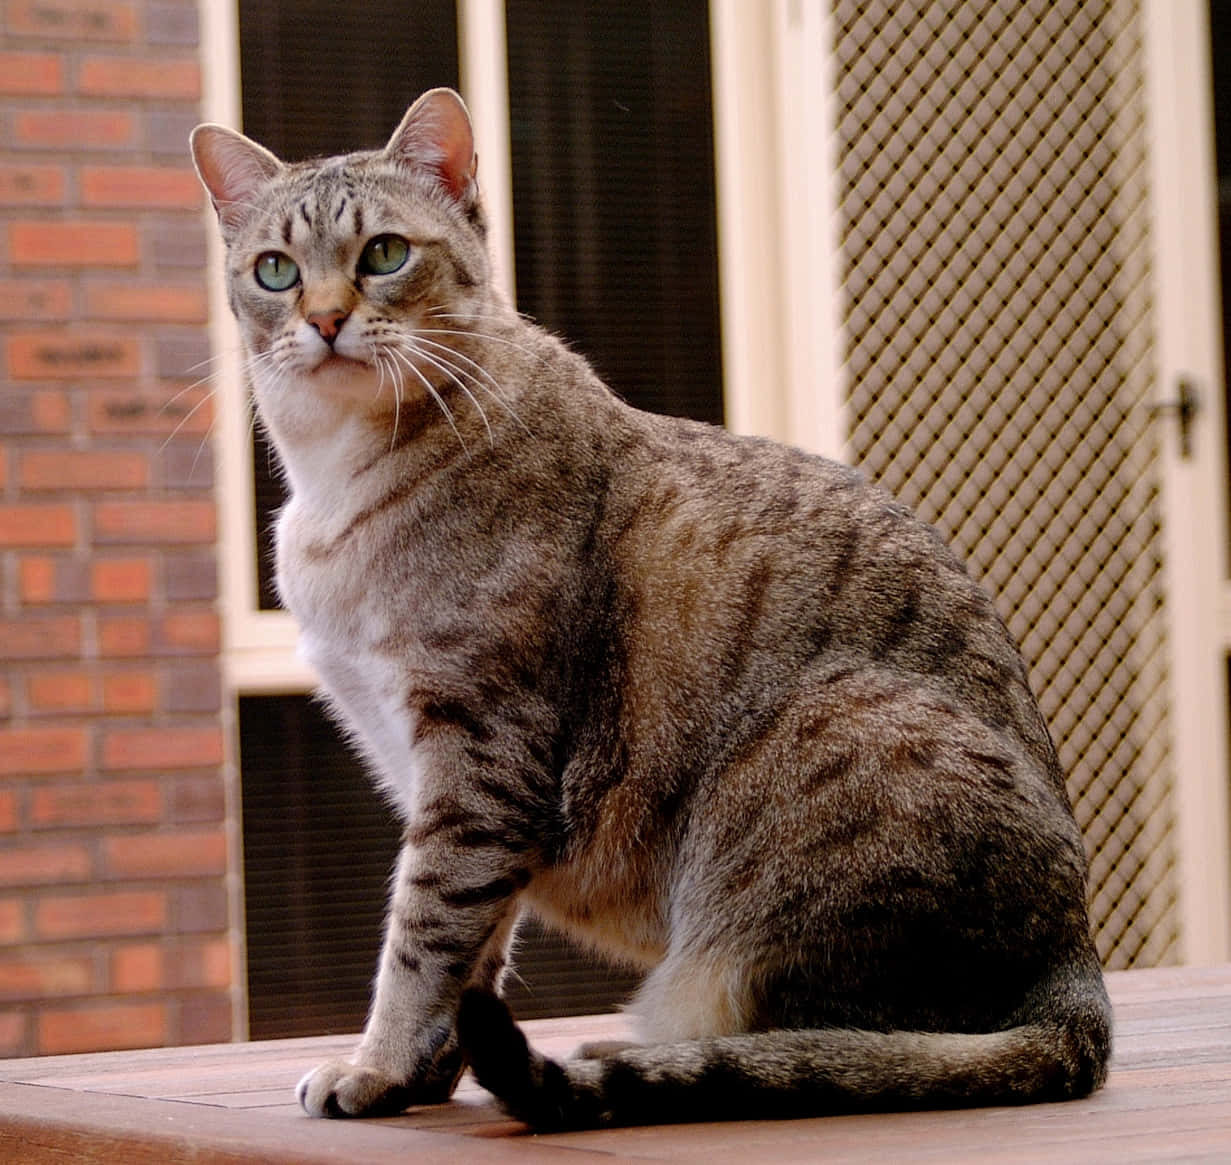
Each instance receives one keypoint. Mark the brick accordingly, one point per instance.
(189, 576)
(137, 969)
(196, 800)
(166, 131)
(42, 750)
(141, 411)
(100, 76)
(37, 524)
(24, 74)
(183, 355)
(187, 632)
(199, 963)
(97, 803)
(39, 865)
(83, 469)
(74, 129)
(181, 522)
(12, 921)
(200, 908)
(73, 243)
(8, 810)
(36, 580)
(94, 915)
(59, 692)
(58, 356)
(125, 580)
(40, 637)
(30, 185)
(173, 243)
(205, 1019)
(35, 299)
(129, 692)
(53, 580)
(162, 748)
(139, 187)
(191, 687)
(28, 977)
(13, 1038)
(98, 20)
(172, 24)
(101, 1027)
(41, 412)
(123, 636)
(186, 465)
(6, 697)
(154, 302)
(166, 855)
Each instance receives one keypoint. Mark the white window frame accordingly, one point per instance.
(1188, 342)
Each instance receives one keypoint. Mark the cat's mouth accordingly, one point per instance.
(336, 362)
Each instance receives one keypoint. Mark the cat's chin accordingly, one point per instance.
(341, 376)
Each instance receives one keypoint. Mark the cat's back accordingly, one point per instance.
(769, 561)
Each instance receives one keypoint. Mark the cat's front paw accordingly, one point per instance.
(339, 1088)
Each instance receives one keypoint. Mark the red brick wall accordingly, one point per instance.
(113, 907)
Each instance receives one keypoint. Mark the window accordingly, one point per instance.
(615, 247)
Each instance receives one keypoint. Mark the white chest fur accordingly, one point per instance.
(343, 617)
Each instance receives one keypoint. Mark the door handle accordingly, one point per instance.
(1184, 407)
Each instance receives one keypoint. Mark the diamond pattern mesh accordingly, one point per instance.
(993, 207)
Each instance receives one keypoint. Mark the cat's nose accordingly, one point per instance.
(329, 323)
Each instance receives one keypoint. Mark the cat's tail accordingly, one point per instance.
(778, 1074)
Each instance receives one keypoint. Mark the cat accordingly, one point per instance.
(711, 705)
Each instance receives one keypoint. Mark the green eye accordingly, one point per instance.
(276, 271)
(384, 255)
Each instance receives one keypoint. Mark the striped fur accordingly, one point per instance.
(715, 707)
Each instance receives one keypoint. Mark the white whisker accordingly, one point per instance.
(492, 387)
(440, 401)
(485, 336)
(452, 375)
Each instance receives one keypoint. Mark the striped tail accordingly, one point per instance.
(778, 1074)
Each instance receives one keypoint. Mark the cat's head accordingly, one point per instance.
(349, 273)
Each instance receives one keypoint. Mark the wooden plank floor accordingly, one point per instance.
(1168, 1099)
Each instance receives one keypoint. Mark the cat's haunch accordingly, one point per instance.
(708, 704)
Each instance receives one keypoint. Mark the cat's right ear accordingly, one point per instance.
(436, 135)
(233, 169)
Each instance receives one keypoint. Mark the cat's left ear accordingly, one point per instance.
(436, 135)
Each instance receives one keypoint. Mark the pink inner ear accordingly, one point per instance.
(436, 134)
(458, 165)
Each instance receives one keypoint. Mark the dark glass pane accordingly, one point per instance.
(325, 78)
(321, 79)
(319, 846)
(613, 191)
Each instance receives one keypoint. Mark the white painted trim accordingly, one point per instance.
(483, 56)
(814, 383)
(748, 209)
(1188, 342)
(779, 254)
(220, 100)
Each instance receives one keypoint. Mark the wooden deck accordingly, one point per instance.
(1168, 1099)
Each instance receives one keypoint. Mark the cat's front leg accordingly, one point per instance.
(449, 926)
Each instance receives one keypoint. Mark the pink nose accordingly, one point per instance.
(328, 323)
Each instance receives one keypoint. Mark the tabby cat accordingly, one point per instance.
(713, 706)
